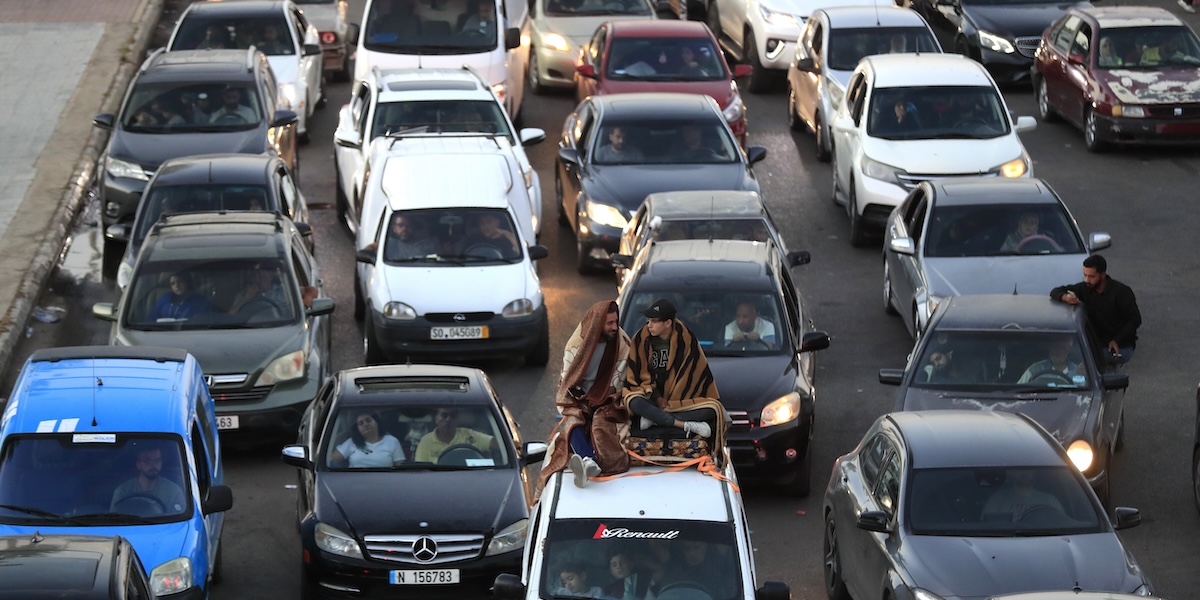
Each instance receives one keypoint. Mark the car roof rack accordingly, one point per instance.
(250, 55)
(97, 352)
(401, 136)
(150, 59)
(229, 217)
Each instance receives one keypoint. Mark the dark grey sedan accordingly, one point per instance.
(948, 505)
(978, 235)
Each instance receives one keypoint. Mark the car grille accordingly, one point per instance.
(1028, 46)
(741, 420)
(254, 394)
(399, 548)
(1168, 112)
(467, 317)
(910, 181)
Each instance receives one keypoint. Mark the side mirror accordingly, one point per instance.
(296, 455)
(532, 136)
(755, 154)
(104, 311)
(1025, 124)
(904, 245)
(117, 231)
(103, 121)
(312, 50)
(536, 252)
(512, 38)
(508, 586)
(806, 64)
(346, 139)
(1114, 381)
(1098, 241)
(799, 257)
(284, 118)
(740, 71)
(621, 261)
(568, 155)
(874, 520)
(304, 228)
(219, 499)
(320, 306)
(1127, 517)
(773, 590)
(365, 256)
(891, 376)
(352, 33)
(533, 452)
(586, 70)
(813, 341)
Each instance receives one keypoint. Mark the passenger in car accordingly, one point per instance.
(368, 445)
(574, 579)
(943, 369)
(261, 292)
(181, 301)
(630, 579)
(481, 19)
(216, 37)
(1027, 227)
(1019, 496)
(1108, 56)
(232, 110)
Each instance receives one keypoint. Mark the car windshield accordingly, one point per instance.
(751, 229)
(414, 435)
(443, 27)
(592, 558)
(662, 141)
(937, 112)
(1148, 47)
(178, 108)
(225, 293)
(580, 8)
(1009, 360)
(451, 236)
(93, 479)
(440, 116)
(270, 34)
(165, 200)
(1000, 502)
(665, 59)
(848, 46)
(1001, 229)
(725, 322)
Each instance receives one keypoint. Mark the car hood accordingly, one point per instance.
(1169, 85)
(579, 29)
(286, 68)
(626, 186)
(944, 157)
(717, 90)
(457, 289)
(1064, 414)
(1012, 20)
(155, 544)
(750, 382)
(370, 503)
(151, 149)
(1027, 274)
(225, 350)
(980, 567)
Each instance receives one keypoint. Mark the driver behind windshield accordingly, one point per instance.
(447, 433)
(1057, 367)
(1027, 226)
(149, 487)
(232, 110)
(1019, 495)
(749, 328)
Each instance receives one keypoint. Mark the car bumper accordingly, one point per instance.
(1007, 68)
(334, 56)
(555, 69)
(761, 453)
(278, 407)
(1148, 131)
(777, 45)
(598, 241)
(507, 336)
(193, 593)
(331, 576)
(123, 193)
(877, 199)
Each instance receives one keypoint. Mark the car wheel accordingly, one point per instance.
(1045, 111)
(793, 117)
(583, 261)
(833, 181)
(535, 80)
(858, 229)
(558, 198)
(760, 79)
(360, 306)
(372, 353)
(216, 569)
(889, 305)
(819, 129)
(800, 481)
(341, 201)
(835, 584)
(541, 352)
(1091, 137)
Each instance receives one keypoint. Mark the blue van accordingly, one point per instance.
(118, 441)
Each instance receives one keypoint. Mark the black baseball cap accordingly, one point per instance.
(661, 309)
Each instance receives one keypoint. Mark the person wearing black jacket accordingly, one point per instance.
(1111, 307)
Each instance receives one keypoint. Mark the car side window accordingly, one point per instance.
(301, 26)
(135, 582)
(857, 98)
(596, 48)
(317, 416)
(358, 105)
(910, 204)
(206, 425)
(872, 457)
(200, 456)
(887, 492)
(301, 267)
(269, 90)
(791, 302)
(287, 191)
(818, 40)
(585, 130)
(1082, 40)
(1065, 34)
(916, 225)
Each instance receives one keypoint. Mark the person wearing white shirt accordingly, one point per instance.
(366, 447)
(748, 327)
(232, 110)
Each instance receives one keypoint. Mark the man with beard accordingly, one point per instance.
(149, 483)
(1111, 307)
(590, 435)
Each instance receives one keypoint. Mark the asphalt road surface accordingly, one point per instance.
(1142, 197)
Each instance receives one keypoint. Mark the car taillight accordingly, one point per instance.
(328, 37)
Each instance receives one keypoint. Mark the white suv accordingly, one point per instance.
(418, 106)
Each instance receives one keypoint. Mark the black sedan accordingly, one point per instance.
(1027, 354)
(616, 150)
(948, 505)
(413, 484)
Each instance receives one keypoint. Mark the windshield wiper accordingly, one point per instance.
(37, 512)
(111, 517)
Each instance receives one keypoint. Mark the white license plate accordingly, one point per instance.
(459, 333)
(429, 577)
(227, 422)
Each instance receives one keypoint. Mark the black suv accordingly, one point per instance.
(71, 565)
(722, 288)
(189, 102)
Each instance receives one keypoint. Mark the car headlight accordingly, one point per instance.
(510, 538)
(1014, 168)
(877, 170)
(920, 594)
(118, 168)
(556, 42)
(781, 410)
(285, 368)
(518, 308)
(736, 109)
(777, 18)
(333, 541)
(995, 43)
(603, 214)
(288, 91)
(1080, 453)
(500, 89)
(171, 577)
(399, 311)
(1136, 112)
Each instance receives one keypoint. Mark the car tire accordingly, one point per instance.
(360, 306)
(558, 198)
(583, 262)
(858, 229)
(372, 353)
(340, 200)
(535, 80)
(889, 302)
(799, 483)
(541, 352)
(1045, 111)
(113, 252)
(216, 569)
(793, 117)
(835, 584)
(824, 154)
(760, 80)
(1091, 134)
(833, 182)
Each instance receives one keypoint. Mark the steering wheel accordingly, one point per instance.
(259, 304)
(701, 154)
(684, 590)
(1037, 243)
(972, 122)
(231, 118)
(458, 454)
(744, 342)
(142, 504)
(1055, 375)
(1034, 509)
(484, 251)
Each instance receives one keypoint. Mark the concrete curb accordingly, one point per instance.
(48, 253)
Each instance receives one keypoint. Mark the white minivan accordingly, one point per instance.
(485, 35)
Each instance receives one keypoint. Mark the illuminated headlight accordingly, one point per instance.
(399, 311)
(518, 308)
(499, 89)
(119, 168)
(920, 594)
(333, 541)
(780, 19)
(556, 42)
(995, 43)
(1017, 167)
(1136, 112)
(736, 110)
(877, 170)
(288, 91)
(510, 538)
(1080, 453)
(603, 214)
(781, 410)
(171, 577)
(285, 368)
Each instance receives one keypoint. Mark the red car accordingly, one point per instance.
(661, 56)
(1124, 74)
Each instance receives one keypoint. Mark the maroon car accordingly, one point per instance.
(661, 56)
(1124, 74)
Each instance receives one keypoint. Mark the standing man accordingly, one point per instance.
(668, 382)
(1111, 307)
(589, 389)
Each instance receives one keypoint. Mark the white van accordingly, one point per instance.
(485, 35)
(681, 535)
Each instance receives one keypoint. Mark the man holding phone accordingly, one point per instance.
(1111, 307)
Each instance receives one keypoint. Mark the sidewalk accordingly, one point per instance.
(63, 61)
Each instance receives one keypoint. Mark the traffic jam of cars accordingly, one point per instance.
(990, 476)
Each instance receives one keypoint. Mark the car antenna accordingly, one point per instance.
(875, 5)
(99, 383)
(1014, 289)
